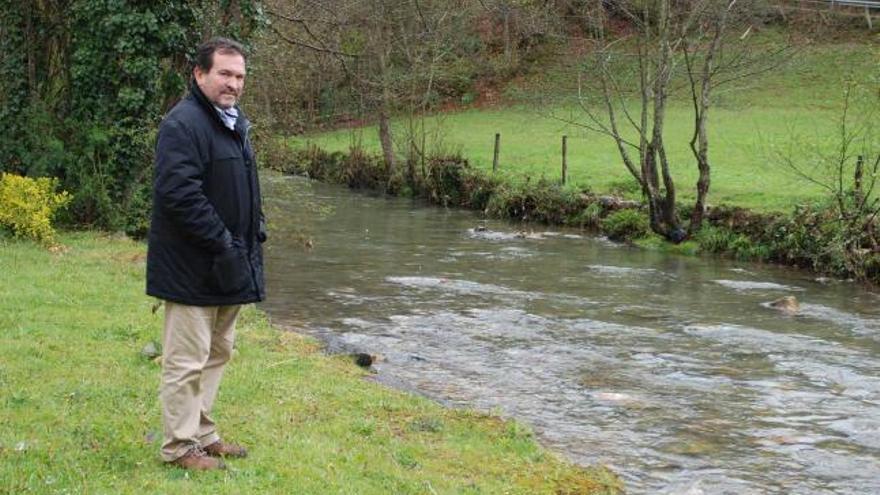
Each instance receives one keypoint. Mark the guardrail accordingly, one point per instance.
(868, 4)
(869, 8)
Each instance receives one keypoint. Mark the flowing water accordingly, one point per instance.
(673, 371)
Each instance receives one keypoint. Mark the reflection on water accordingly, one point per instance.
(671, 370)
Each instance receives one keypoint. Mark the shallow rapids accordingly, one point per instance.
(674, 371)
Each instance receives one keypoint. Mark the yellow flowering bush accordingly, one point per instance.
(28, 205)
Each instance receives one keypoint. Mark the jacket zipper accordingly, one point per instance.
(254, 228)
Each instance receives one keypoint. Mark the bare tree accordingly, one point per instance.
(847, 169)
(392, 54)
(699, 44)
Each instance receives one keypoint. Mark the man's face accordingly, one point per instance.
(224, 83)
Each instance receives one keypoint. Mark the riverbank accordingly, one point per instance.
(80, 414)
(812, 236)
(778, 191)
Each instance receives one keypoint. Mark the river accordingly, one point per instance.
(671, 370)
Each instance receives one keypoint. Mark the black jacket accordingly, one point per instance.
(207, 226)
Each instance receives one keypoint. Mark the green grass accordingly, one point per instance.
(792, 108)
(79, 409)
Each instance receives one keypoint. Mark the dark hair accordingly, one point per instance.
(205, 51)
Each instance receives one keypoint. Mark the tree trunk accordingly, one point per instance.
(385, 136)
(702, 186)
(700, 141)
(507, 48)
(31, 51)
(386, 140)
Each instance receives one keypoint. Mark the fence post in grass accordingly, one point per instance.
(564, 158)
(497, 149)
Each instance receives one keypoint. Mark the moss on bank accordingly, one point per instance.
(809, 237)
(79, 408)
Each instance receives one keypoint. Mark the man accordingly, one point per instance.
(204, 256)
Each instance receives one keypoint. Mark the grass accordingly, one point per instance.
(79, 409)
(787, 111)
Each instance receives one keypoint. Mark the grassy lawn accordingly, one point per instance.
(79, 408)
(796, 104)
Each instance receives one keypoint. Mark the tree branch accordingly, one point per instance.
(303, 44)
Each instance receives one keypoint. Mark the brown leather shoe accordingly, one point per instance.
(223, 449)
(197, 460)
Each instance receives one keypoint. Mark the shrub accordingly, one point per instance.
(625, 225)
(591, 216)
(713, 239)
(543, 201)
(27, 206)
(743, 248)
(274, 152)
(480, 188)
(444, 183)
(360, 170)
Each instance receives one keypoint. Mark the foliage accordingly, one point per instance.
(445, 179)
(814, 238)
(27, 206)
(423, 55)
(544, 201)
(87, 82)
(625, 225)
(695, 41)
(712, 239)
(848, 174)
(363, 171)
(811, 236)
(720, 240)
(590, 217)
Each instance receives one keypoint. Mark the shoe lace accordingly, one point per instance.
(197, 451)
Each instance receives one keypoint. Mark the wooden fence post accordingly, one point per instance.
(564, 158)
(497, 150)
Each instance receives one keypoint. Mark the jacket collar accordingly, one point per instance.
(241, 125)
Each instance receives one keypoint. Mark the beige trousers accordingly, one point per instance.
(196, 345)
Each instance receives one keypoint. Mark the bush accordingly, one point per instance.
(444, 183)
(805, 238)
(479, 188)
(27, 206)
(274, 152)
(360, 170)
(544, 201)
(625, 225)
(713, 239)
(590, 217)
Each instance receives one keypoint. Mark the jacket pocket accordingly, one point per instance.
(231, 271)
(262, 235)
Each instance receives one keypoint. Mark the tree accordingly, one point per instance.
(846, 166)
(85, 84)
(704, 42)
(393, 55)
